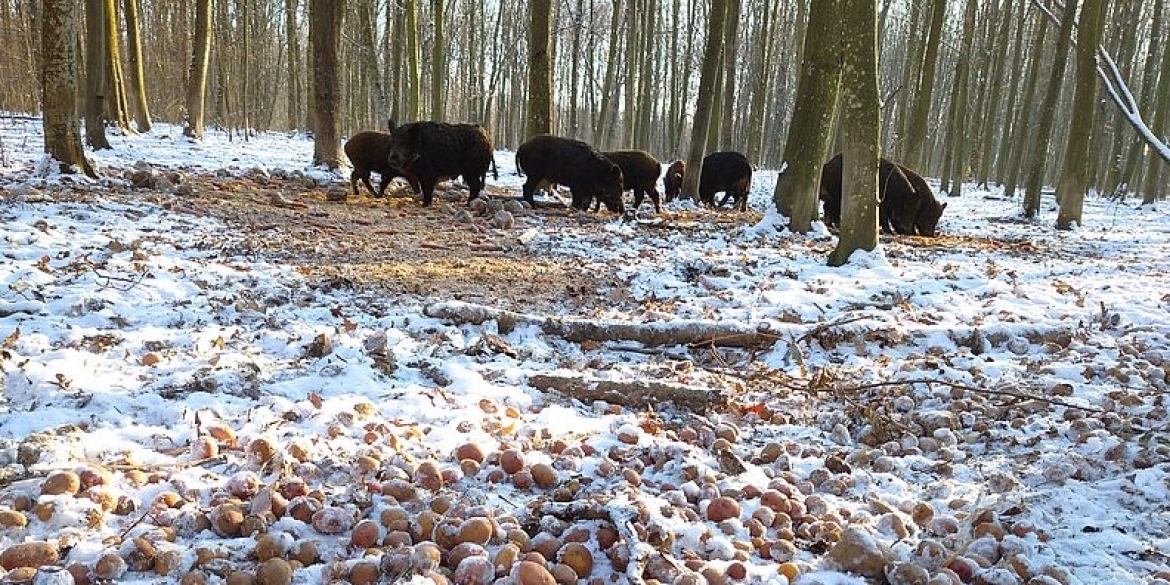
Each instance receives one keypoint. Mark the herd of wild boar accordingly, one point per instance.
(424, 153)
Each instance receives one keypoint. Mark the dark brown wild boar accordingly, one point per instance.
(640, 172)
(725, 171)
(431, 151)
(369, 152)
(906, 205)
(574, 164)
(673, 179)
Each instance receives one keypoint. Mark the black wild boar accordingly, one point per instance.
(729, 172)
(574, 164)
(906, 205)
(929, 207)
(432, 151)
(369, 152)
(672, 181)
(640, 172)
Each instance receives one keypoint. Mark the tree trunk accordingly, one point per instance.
(602, 131)
(1073, 184)
(116, 102)
(96, 87)
(991, 112)
(325, 17)
(861, 128)
(134, 58)
(59, 85)
(757, 111)
(708, 80)
(959, 161)
(1153, 185)
(1017, 143)
(197, 77)
(916, 136)
(413, 75)
(438, 63)
(539, 68)
(807, 146)
(728, 139)
(295, 91)
(1040, 148)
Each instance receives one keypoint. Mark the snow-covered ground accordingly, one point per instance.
(993, 397)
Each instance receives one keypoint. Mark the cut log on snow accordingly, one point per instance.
(631, 393)
(864, 327)
(680, 332)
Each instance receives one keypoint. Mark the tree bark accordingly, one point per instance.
(134, 59)
(916, 135)
(631, 393)
(807, 146)
(540, 107)
(438, 63)
(728, 139)
(708, 81)
(1021, 135)
(59, 85)
(325, 18)
(1153, 185)
(861, 128)
(1043, 139)
(96, 82)
(959, 125)
(413, 75)
(197, 78)
(296, 98)
(1073, 183)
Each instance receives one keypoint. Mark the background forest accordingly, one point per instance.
(992, 76)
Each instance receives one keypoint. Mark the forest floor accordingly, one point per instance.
(248, 377)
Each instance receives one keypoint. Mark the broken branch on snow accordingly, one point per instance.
(632, 393)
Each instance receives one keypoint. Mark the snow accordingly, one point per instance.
(122, 323)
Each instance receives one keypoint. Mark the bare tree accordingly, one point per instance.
(708, 81)
(539, 68)
(96, 82)
(134, 59)
(1043, 138)
(916, 135)
(861, 128)
(808, 134)
(438, 62)
(1073, 183)
(59, 85)
(325, 17)
(197, 81)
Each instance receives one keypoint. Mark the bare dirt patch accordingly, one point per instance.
(393, 246)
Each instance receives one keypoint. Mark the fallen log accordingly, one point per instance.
(873, 328)
(679, 332)
(631, 393)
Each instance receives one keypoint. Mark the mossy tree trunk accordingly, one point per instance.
(807, 146)
(197, 76)
(59, 65)
(134, 60)
(861, 129)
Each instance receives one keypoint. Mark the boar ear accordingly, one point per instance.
(615, 171)
(390, 125)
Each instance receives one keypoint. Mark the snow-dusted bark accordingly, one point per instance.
(59, 84)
